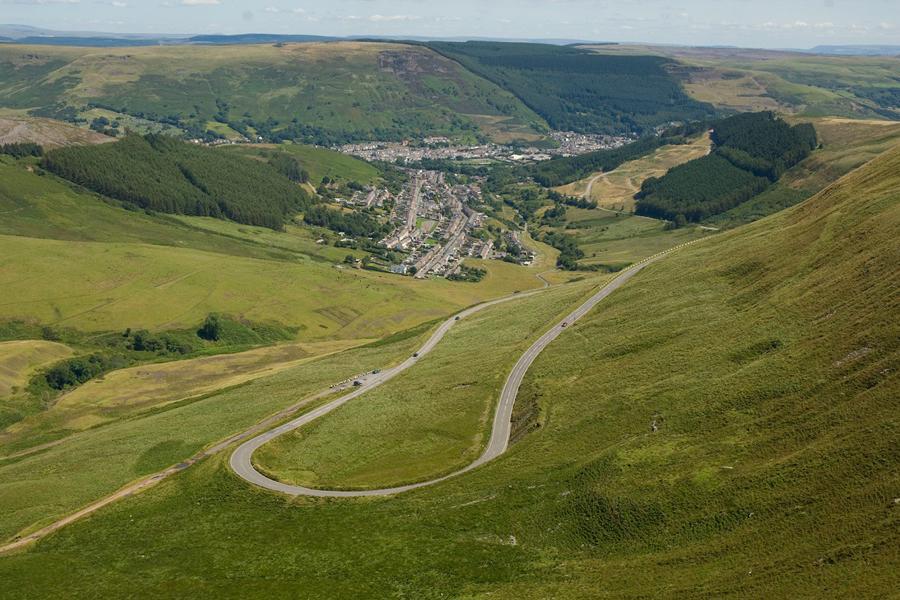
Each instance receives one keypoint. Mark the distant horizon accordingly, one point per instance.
(41, 32)
(761, 24)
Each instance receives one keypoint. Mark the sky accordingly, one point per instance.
(748, 23)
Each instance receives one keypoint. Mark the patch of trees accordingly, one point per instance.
(105, 126)
(166, 175)
(554, 216)
(355, 224)
(526, 200)
(569, 252)
(573, 201)
(117, 351)
(579, 90)
(289, 166)
(698, 189)
(76, 371)
(22, 149)
(751, 152)
(763, 144)
(468, 274)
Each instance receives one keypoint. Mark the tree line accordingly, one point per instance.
(21, 149)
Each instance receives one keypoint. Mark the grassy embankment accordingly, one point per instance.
(766, 359)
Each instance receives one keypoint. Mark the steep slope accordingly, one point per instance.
(322, 92)
(163, 174)
(575, 89)
(46, 132)
(724, 426)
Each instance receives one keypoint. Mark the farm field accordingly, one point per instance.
(739, 391)
(431, 420)
(615, 190)
(616, 240)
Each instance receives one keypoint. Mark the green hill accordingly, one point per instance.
(575, 89)
(166, 175)
(723, 426)
(751, 151)
(69, 258)
(319, 92)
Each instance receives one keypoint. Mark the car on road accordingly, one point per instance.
(357, 383)
(457, 318)
(416, 355)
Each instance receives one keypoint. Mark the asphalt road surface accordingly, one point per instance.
(242, 459)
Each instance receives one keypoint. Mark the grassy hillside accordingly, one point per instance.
(430, 420)
(577, 90)
(40, 486)
(129, 269)
(846, 144)
(18, 359)
(321, 92)
(318, 162)
(740, 392)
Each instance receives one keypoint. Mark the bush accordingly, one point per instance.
(211, 329)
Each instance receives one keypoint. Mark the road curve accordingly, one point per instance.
(242, 459)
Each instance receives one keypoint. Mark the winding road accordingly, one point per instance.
(242, 459)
